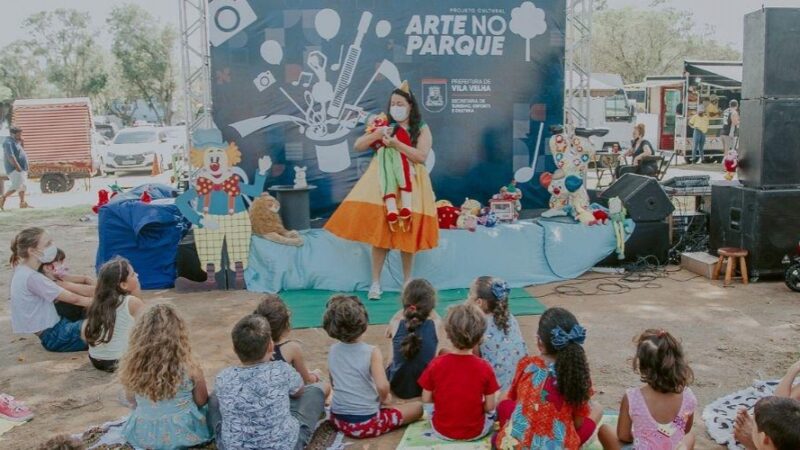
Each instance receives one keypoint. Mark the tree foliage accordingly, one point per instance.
(144, 53)
(20, 70)
(65, 41)
(639, 42)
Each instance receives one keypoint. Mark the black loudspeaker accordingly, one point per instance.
(766, 222)
(771, 58)
(648, 239)
(769, 147)
(642, 196)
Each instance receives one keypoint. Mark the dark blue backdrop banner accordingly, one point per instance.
(296, 79)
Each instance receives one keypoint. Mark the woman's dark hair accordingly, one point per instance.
(572, 368)
(465, 326)
(345, 318)
(101, 315)
(419, 299)
(497, 307)
(276, 313)
(414, 116)
(660, 362)
(60, 256)
(25, 241)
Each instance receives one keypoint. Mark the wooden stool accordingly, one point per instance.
(729, 255)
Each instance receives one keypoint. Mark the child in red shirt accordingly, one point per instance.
(460, 384)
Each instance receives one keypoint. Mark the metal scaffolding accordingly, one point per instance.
(578, 68)
(195, 66)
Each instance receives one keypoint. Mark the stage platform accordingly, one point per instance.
(524, 253)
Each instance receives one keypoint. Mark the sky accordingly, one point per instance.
(725, 16)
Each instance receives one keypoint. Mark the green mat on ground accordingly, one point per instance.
(308, 306)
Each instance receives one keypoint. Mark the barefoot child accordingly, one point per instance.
(548, 403)
(502, 345)
(288, 350)
(460, 384)
(164, 383)
(111, 315)
(360, 387)
(659, 414)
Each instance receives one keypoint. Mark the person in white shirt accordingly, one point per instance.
(33, 294)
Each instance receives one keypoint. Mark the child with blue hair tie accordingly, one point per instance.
(502, 345)
(548, 404)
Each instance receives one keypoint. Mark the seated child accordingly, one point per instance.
(288, 350)
(164, 384)
(415, 340)
(659, 414)
(786, 388)
(548, 403)
(360, 387)
(777, 424)
(251, 406)
(502, 345)
(77, 284)
(460, 384)
(110, 317)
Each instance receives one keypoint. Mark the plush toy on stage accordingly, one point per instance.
(216, 205)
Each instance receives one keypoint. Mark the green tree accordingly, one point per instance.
(636, 43)
(21, 71)
(63, 38)
(144, 50)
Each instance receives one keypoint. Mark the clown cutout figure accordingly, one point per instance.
(216, 204)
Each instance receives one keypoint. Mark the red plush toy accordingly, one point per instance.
(447, 215)
(102, 199)
(600, 217)
(146, 198)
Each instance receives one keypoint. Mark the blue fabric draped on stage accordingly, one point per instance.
(523, 253)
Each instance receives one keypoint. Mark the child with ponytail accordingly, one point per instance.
(415, 341)
(33, 294)
(548, 403)
(502, 345)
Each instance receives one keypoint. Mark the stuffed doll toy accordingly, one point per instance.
(216, 204)
(488, 218)
(447, 215)
(617, 214)
(472, 206)
(567, 197)
(731, 162)
(467, 220)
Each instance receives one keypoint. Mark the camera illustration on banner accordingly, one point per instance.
(264, 80)
(227, 18)
(326, 114)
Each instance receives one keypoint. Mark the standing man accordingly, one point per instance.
(16, 164)
(699, 122)
(730, 129)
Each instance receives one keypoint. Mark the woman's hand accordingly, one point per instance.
(390, 141)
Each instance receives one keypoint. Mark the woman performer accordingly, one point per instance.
(371, 212)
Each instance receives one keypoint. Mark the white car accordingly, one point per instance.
(135, 149)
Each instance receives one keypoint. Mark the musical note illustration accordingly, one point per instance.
(335, 67)
(305, 78)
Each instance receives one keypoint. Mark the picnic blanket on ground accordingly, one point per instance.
(720, 414)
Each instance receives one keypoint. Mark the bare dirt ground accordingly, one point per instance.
(732, 336)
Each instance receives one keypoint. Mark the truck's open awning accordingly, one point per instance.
(724, 74)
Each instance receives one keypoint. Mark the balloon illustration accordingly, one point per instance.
(272, 52)
(327, 23)
(383, 28)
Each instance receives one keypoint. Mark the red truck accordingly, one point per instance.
(57, 135)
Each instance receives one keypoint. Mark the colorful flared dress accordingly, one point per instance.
(362, 215)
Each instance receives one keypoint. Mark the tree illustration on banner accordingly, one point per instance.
(528, 22)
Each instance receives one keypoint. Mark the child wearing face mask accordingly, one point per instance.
(33, 295)
(77, 284)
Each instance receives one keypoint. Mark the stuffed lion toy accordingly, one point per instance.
(267, 222)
